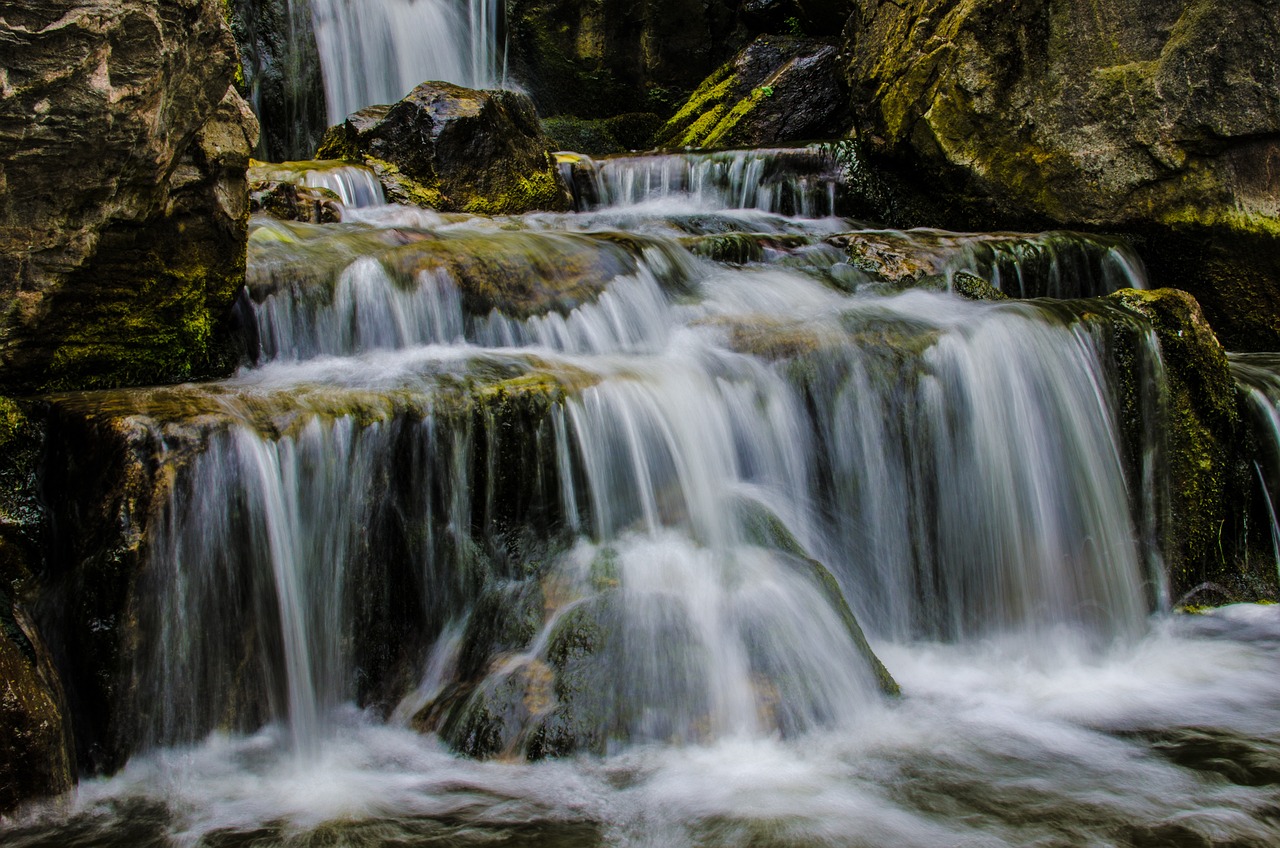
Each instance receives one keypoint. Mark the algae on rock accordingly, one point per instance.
(778, 89)
(1162, 122)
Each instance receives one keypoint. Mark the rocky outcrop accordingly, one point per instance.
(1161, 121)
(455, 149)
(124, 212)
(292, 202)
(778, 89)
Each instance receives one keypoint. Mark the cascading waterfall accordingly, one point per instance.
(590, 485)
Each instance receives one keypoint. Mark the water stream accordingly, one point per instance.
(638, 524)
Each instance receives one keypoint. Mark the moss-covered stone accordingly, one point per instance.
(1086, 114)
(1203, 423)
(778, 89)
(455, 149)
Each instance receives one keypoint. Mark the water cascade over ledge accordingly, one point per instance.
(685, 522)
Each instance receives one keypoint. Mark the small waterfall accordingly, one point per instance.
(801, 181)
(356, 185)
(376, 51)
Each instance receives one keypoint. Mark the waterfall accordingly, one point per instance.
(649, 511)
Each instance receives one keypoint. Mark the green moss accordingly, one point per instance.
(541, 190)
(157, 326)
(722, 133)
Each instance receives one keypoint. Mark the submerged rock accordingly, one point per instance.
(455, 149)
(124, 215)
(1164, 122)
(779, 89)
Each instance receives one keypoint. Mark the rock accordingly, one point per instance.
(1202, 423)
(280, 75)
(455, 149)
(292, 202)
(1159, 121)
(597, 59)
(1051, 264)
(778, 89)
(35, 756)
(124, 212)
(35, 753)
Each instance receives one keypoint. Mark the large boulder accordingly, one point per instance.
(1159, 119)
(123, 217)
(455, 149)
(778, 89)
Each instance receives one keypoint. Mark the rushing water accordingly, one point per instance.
(585, 488)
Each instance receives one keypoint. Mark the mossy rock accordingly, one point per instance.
(1203, 424)
(455, 149)
(779, 89)
(1107, 118)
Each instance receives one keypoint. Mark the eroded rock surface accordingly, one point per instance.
(124, 211)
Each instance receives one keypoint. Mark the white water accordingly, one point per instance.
(345, 533)
(376, 51)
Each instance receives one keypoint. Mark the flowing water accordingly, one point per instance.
(668, 522)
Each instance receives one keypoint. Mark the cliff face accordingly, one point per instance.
(124, 209)
(1163, 119)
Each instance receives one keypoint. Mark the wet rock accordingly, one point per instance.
(280, 75)
(778, 89)
(35, 753)
(124, 215)
(1162, 122)
(455, 149)
(974, 287)
(291, 202)
(1202, 426)
(1052, 264)
(136, 454)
